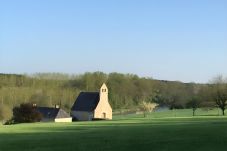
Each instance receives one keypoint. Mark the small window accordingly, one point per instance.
(103, 90)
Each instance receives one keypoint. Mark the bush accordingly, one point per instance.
(9, 122)
(26, 113)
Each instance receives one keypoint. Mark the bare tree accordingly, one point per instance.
(220, 92)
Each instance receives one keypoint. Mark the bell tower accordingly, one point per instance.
(103, 92)
(103, 109)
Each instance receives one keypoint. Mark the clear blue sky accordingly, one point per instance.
(164, 39)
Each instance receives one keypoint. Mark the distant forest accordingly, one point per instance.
(126, 91)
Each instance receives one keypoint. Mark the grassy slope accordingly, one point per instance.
(156, 132)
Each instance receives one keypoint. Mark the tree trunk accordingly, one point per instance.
(144, 114)
(223, 112)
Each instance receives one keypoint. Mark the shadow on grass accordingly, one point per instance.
(164, 135)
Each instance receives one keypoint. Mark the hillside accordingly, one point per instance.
(125, 90)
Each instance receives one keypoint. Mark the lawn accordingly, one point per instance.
(161, 131)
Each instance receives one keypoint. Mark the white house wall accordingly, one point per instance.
(63, 119)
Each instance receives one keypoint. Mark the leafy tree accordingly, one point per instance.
(147, 107)
(194, 103)
(5, 113)
(41, 99)
(26, 113)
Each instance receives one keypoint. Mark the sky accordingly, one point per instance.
(167, 40)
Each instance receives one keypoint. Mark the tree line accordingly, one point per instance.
(126, 91)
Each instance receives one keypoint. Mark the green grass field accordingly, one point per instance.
(161, 131)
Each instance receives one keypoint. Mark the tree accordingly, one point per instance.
(40, 99)
(125, 90)
(26, 113)
(5, 113)
(147, 107)
(220, 92)
(194, 103)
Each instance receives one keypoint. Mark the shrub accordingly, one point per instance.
(9, 122)
(26, 113)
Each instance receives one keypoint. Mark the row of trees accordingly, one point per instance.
(126, 91)
(211, 95)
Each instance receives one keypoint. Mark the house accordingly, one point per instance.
(92, 105)
(55, 114)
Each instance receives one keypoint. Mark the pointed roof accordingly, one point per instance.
(86, 101)
(52, 113)
(62, 114)
(104, 85)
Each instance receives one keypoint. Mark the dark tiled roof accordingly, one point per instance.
(52, 113)
(86, 101)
